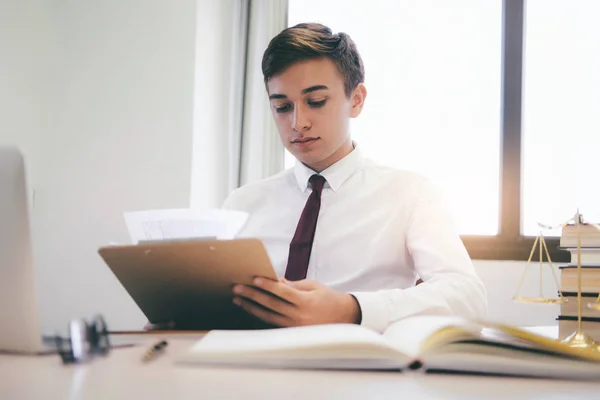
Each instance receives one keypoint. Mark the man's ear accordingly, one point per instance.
(358, 96)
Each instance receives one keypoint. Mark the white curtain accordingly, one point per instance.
(237, 89)
(262, 152)
(235, 139)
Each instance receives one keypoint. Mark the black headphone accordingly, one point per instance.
(85, 340)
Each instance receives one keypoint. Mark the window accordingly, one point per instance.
(432, 86)
(561, 112)
(500, 117)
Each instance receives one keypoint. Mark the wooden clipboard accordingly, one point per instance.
(190, 282)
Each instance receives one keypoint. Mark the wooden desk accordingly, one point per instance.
(122, 375)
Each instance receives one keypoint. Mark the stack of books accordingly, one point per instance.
(590, 281)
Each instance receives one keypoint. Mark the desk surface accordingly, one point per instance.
(122, 375)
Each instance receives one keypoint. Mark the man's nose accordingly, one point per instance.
(300, 121)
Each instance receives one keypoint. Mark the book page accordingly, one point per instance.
(275, 340)
(421, 335)
(456, 344)
(426, 334)
(323, 344)
(184, 224)
(410, 335)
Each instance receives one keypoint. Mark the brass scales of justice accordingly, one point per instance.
(578, 339)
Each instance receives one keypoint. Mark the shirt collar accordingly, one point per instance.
(335, 174)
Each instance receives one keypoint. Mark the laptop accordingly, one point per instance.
(19, 323)
(20, 329)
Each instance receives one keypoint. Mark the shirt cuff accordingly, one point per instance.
(373, 308)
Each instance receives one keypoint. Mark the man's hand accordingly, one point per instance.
(285, 303)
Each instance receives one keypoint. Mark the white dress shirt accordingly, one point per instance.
(378, 229)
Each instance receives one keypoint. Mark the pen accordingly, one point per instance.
(151, 352)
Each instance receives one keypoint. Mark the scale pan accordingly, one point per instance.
(539, 300)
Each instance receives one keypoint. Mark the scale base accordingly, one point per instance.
(581, 341)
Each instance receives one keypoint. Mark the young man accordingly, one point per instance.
(347, 237)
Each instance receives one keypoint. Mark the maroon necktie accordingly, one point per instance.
(302, 242)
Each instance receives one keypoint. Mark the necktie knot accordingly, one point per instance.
(317, 182)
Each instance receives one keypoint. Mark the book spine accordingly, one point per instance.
(574, 318)
(583, 294)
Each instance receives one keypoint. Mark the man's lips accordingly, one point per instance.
(304, 140)
(304, 143)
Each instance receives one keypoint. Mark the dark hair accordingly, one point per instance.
(311, 41)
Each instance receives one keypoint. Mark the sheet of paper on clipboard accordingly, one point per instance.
(183, 224)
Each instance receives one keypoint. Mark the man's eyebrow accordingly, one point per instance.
(304, 91)
(314, 88)
(277, 96)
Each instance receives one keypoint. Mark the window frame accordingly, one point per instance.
(510, 243)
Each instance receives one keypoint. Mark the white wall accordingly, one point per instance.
(110, 108)
(108, 99)
(502, 278)
(26, 47)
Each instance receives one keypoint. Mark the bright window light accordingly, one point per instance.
(561, 112)
(433, 73)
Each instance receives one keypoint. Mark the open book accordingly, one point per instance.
(427, 343)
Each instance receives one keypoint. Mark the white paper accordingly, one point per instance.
(178, 224)
(333, 346)
(277, 340)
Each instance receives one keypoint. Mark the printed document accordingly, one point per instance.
(184, 224)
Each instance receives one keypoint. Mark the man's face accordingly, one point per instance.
(312, 111)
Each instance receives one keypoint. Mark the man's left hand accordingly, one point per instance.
(286, 303)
